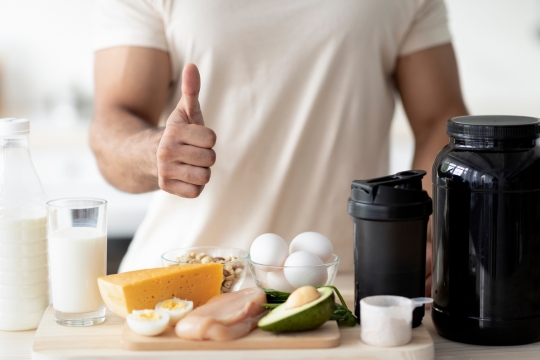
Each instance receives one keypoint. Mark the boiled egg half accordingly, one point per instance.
(148, 322)
(176, 309)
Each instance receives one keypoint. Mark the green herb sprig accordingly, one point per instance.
(341, 313)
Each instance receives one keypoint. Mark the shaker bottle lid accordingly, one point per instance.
(493, 127)
(393, 197)
(14, 126)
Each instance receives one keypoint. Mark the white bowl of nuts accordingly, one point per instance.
(234, 262)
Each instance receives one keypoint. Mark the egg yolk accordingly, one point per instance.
(148, 315)
(173, 305)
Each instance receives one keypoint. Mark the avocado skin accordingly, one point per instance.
(307, 319)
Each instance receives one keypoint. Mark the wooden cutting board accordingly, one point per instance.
(326, 336)
(104, 341)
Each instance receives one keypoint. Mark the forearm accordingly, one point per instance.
(428, 83)
(429, 143)
(125, 149)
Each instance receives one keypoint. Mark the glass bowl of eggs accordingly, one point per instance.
(234, 262)
(308, 260)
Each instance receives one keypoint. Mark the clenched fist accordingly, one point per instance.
(184, 153)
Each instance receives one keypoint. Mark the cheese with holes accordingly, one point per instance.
(143, 289)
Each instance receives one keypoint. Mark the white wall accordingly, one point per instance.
(45, 54)
(46, 63)
(497, 44)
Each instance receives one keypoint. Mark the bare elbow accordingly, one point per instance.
(95, 141)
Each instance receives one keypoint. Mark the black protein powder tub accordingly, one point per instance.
(486, 231)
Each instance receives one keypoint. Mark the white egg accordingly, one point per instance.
(276, 280)
(314, 243)
(176, 309)
(269, 249)
(148, 322)
(303, 268)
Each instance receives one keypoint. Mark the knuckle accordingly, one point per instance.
(183, 155)
(211, 138)
(163, 172)
(192, 155)
(191, 191)
(184, 174)
(163, 184)
(195, 176)
(204, 157)
(164, 152)
(205, 176)
(212, 157)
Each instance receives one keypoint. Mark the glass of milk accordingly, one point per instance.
(77, 257)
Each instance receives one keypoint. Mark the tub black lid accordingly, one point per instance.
(493, 127)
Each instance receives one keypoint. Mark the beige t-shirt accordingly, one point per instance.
(300, 95)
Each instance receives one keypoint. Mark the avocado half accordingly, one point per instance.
(306, 317)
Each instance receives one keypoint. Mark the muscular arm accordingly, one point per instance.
(132, 152)
(428, 83)
(131, 91)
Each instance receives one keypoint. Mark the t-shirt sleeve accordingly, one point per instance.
(429, 28)
(128, 23)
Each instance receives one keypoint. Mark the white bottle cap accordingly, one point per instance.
(14, 126)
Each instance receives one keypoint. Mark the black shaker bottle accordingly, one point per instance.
(390, 216)
(486, 238)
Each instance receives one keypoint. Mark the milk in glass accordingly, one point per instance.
(78, 258)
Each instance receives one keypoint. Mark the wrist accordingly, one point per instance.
(152, 137)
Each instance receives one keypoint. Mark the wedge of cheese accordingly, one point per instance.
(143, 289)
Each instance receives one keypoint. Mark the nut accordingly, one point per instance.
(232, 271)
(238, 265)
(207, 259)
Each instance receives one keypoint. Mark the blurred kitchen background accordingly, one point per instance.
(46, 76)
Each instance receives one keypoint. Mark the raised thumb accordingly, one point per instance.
(191, 85)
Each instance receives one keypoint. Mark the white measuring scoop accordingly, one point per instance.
(386, 320)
